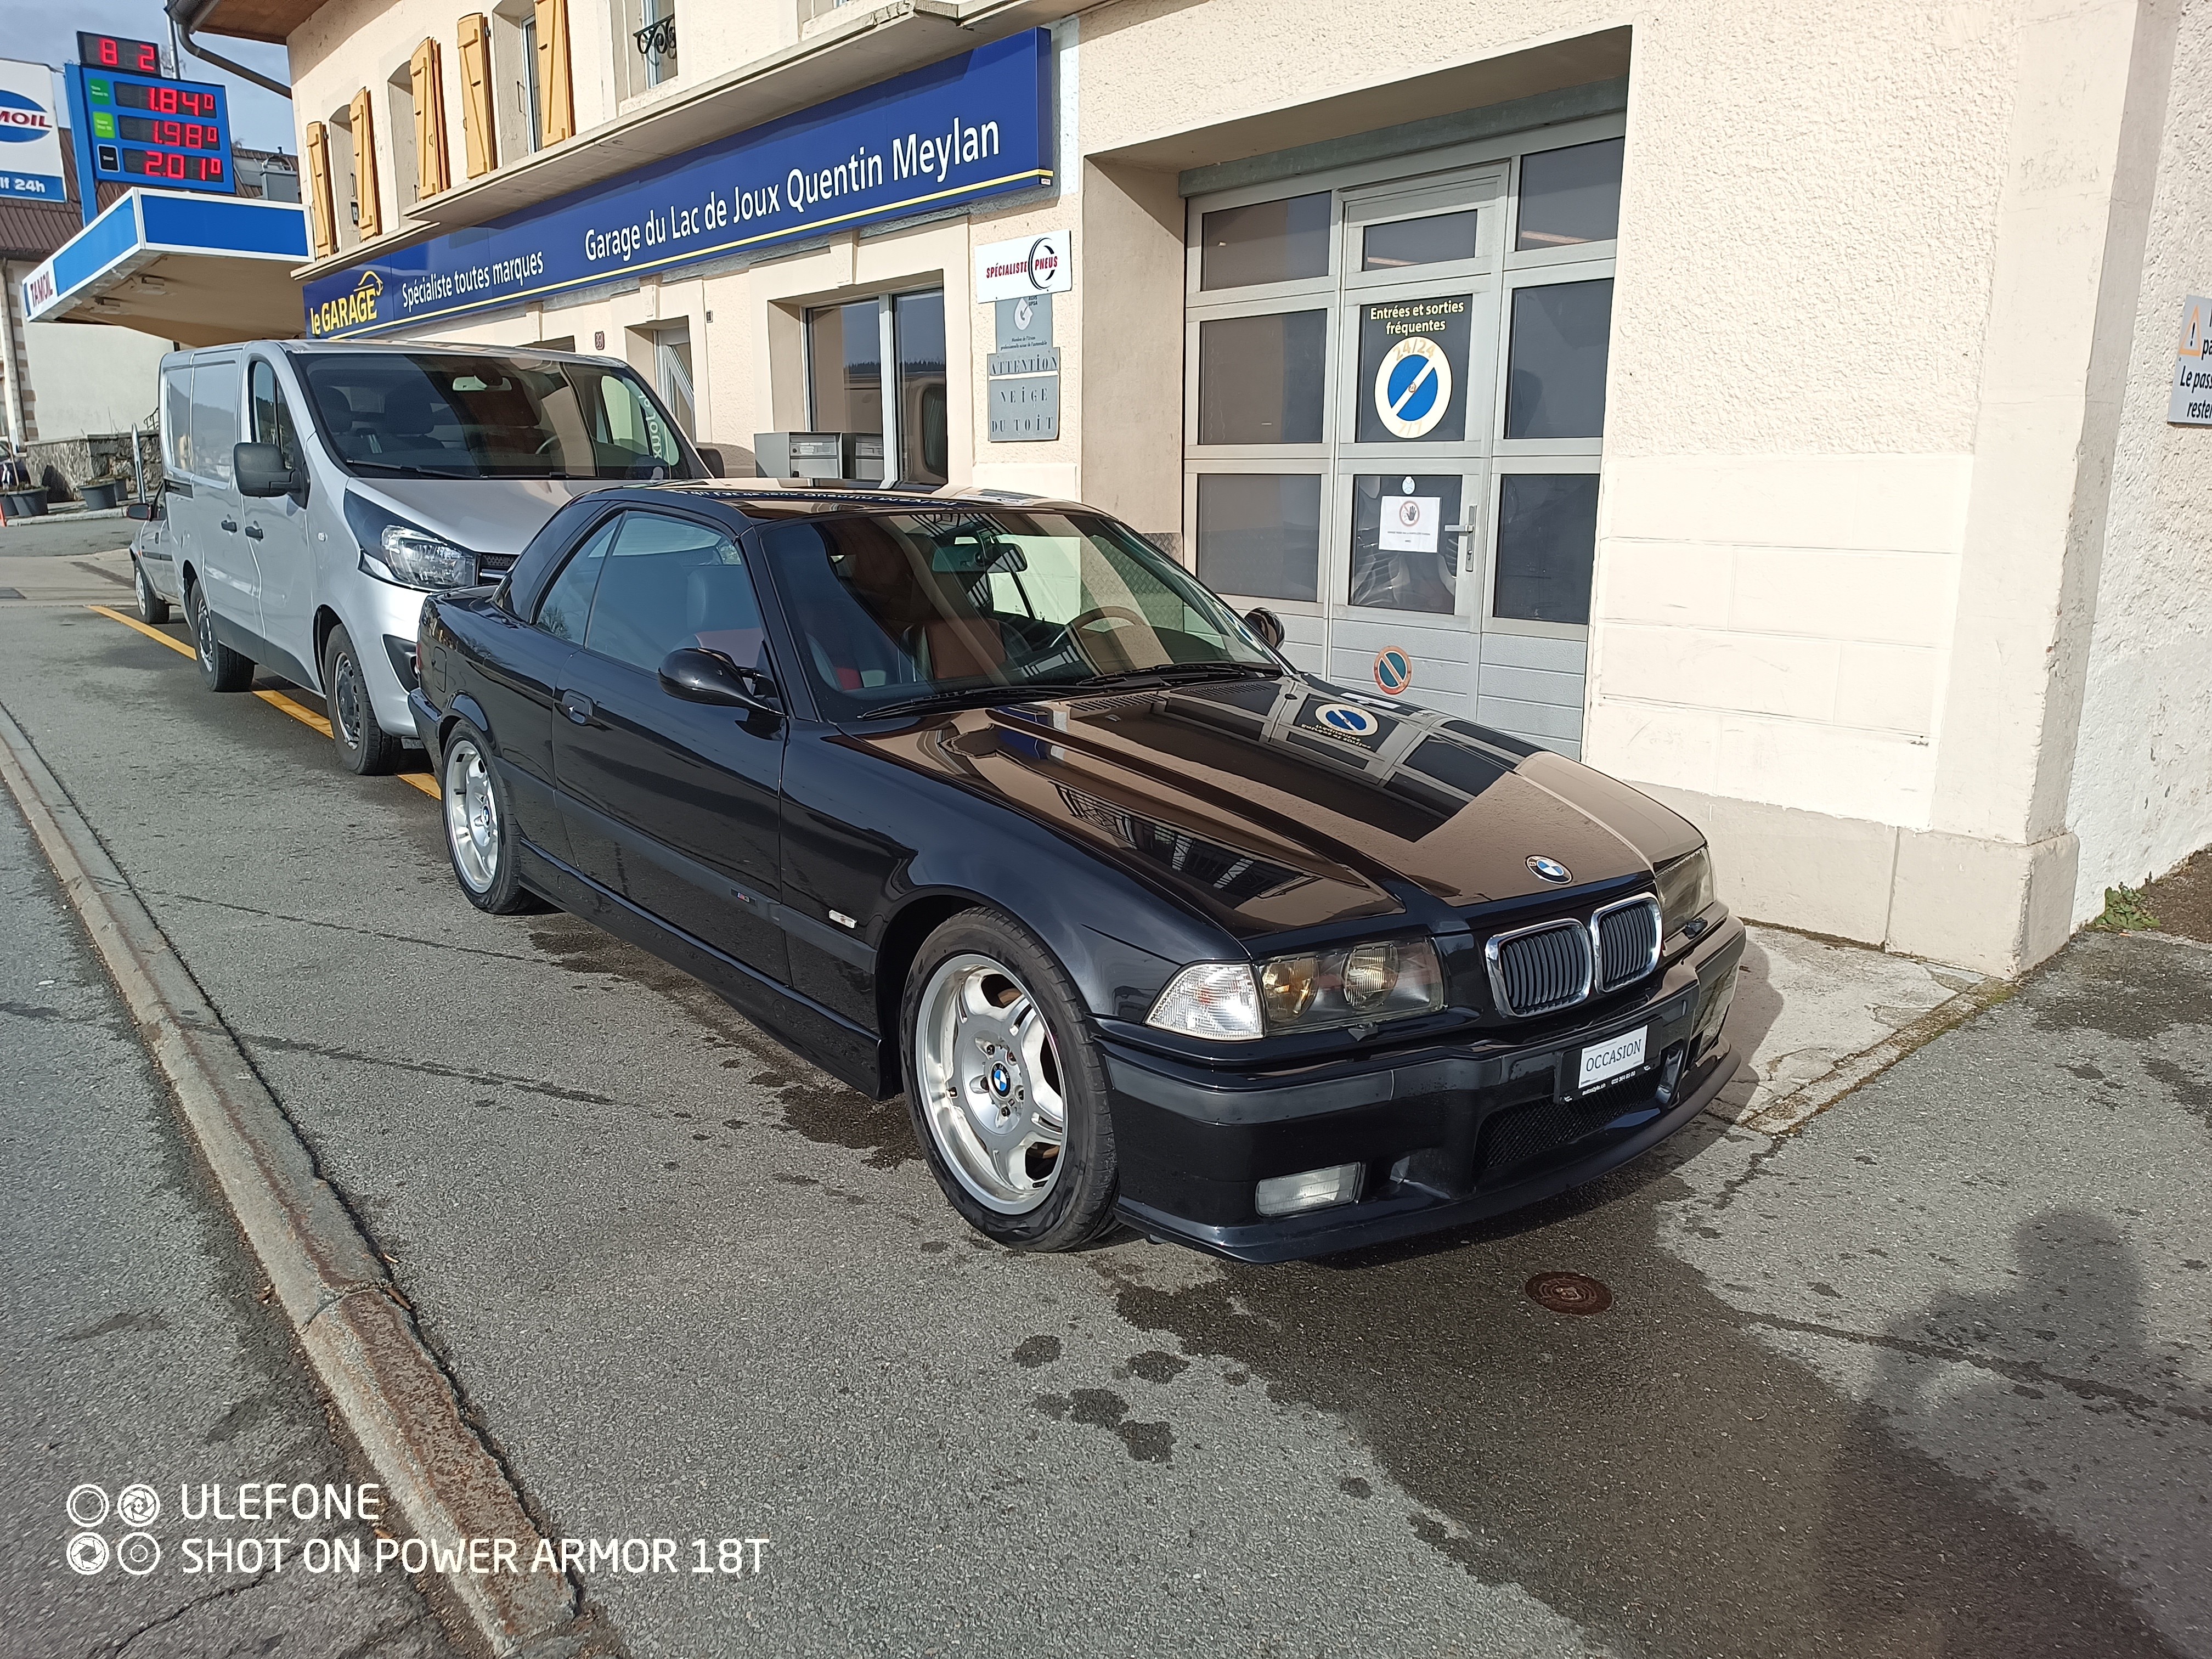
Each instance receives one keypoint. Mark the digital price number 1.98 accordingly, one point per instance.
(175, 134)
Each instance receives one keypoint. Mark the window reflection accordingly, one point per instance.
(1278, 241)
(1547, 542)
(1259, 534)
(1555, 387)
(1570, 196)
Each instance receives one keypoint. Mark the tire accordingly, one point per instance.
(152, 607)
(983, 1116)
(222, 668)
(364, 747)
(480, 840)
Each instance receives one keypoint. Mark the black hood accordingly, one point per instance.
(1270, 805)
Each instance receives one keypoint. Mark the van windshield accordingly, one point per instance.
(459, 415)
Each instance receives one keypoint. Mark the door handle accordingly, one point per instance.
(576, 706)
(230, 524)
(1467, 547)
(253, 532)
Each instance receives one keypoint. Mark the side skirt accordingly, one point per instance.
(847, 1052)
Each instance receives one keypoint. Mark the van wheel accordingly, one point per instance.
(480, 836)
(1007, 1092)
(363, 745)
(152, 607)
(222, 668)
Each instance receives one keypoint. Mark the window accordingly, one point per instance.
(1400, 559)
(668, 583)
(892, 607)
(1572, 195)
(406, 166)
(177, 419)
(1261, 378)
(645, 46)
(1437, 239)
(272, 419)
(1278, 241)
(566, 610)
(346, 178)
(1260, 534)
(1555, 380)
(460, 414)
(214, 417)
(1547, 543)
(877, 367)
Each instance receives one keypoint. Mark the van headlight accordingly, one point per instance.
(394, 550)
(1686, 892)
(1308, 991)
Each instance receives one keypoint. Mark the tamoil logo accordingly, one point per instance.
(351, 310)
(22, 119)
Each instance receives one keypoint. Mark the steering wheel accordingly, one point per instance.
(549, 446)
(1116, 613)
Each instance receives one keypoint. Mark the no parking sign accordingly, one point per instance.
(1393, 669)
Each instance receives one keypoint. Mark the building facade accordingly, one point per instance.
(1769, 408)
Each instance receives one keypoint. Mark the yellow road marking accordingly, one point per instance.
(299, 711)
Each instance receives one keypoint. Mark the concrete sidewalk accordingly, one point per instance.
(80, 558)
(1815, 1019)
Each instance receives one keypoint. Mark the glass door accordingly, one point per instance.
(1416, 334)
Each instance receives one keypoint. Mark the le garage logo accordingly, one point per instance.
(21, 119)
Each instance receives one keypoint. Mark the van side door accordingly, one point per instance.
(276, 528)
(222, 555)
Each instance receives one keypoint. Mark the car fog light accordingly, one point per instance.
(1316, 1189)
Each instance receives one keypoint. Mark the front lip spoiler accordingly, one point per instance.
(1327, 1232)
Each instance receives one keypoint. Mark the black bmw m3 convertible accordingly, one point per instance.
(989, 802)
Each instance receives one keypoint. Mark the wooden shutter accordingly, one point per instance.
(432, 174)
(479, 126)
(364, 165)
(556, 107)
(322, 223)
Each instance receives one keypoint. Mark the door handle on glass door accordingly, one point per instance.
(576, 706)
(1466, 548)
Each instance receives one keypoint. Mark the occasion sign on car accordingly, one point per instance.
(975, 125)
(30, 137)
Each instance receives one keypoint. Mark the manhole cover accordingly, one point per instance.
(1569, 1293)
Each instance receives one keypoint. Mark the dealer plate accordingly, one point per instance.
(1617, 1057)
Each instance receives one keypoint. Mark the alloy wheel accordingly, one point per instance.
(991, 1083)
(471, 817)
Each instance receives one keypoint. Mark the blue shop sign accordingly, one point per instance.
(975, 125)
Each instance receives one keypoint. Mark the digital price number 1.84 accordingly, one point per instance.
(175, 132)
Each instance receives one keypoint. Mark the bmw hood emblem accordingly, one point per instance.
(1549, 869)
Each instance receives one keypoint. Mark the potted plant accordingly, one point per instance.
(18, 497)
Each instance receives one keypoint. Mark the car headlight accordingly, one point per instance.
(1685, 891)
(1310, 991)
(395, 551)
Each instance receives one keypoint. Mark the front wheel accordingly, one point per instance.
(152, 607)
(1007, 1093)
(480, 835)
(220, 667)
(363, 745)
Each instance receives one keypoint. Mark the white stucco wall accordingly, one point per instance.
(2141, 793)
(88, 378)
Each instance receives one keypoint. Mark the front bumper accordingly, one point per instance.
(1444, 1135)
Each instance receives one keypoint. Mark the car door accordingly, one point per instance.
(274, 527)
(226, 561)
(674, 805)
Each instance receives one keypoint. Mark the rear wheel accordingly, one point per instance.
(152, 607)
(479, 829)
(363, 745)
(222, 668)
(1007, 1093)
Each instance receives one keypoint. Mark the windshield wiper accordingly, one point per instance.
(1177, 673)
(965, 696)
(399, 471)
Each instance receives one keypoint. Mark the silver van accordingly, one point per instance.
(316, 492)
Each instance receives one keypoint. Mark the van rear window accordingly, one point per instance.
(459, 415)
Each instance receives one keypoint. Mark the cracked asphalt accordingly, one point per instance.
(1928, 1377)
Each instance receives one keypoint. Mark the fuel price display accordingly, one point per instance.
(145, 129)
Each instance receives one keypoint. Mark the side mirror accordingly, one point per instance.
(712, 457)
(1266, 626)
(705, 677)
(260, 471)
(143, 510)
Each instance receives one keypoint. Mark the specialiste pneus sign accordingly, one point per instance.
(975, 125)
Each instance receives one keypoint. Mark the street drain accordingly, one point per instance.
(1569, 1293)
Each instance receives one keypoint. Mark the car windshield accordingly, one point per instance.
(459, 415)
(893, 610)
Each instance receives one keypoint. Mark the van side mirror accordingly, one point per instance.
(712, 457)
(143, 510)
(260, 471)
(707, 676)
(1267, 626)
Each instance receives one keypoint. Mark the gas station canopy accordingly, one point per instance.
(199, 269)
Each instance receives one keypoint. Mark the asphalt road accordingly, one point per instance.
(1929, 1377)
